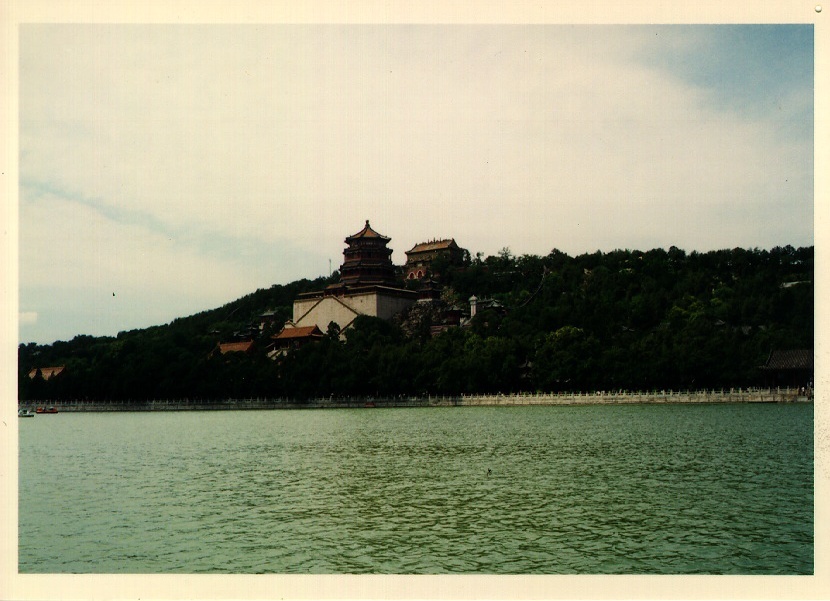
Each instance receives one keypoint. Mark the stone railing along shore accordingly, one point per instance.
(735, 395)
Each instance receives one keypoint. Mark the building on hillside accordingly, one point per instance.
(366, 260)
(482, 305)
(448, 318)
(792, 368)
(233, 347)
(249, 332)
(420, 258)
(292, 338)
(367, 287)
(430, 291)
(47, 372)
(479, 304)
(266, 319)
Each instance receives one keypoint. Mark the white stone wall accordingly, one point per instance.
(342, 310)
(321, 312)
(365, 304)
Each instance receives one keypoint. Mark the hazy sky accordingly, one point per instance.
(182, 166)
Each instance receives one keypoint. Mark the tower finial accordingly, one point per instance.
(367, 223)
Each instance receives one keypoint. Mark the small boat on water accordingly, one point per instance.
(369, 405)
(47, 410)
(24, 413)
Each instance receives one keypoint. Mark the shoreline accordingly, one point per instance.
(468, 400)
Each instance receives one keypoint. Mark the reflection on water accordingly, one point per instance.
(544, 490)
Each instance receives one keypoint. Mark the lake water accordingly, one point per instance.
(662, 489)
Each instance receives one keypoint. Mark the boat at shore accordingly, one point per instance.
(46, 410)
(25, 413)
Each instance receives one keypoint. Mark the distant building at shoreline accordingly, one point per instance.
(789, 368)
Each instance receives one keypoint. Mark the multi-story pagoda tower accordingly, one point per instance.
(367, 260)
(367, 286)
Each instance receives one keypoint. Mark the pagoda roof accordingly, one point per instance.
(367, 232)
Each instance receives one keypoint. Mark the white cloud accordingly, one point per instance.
(144, 143)
(119, 276)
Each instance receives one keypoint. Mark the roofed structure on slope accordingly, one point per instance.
(367, 260)
(267, 318)
(235, 347)
(292, 337)
(47, 372)
(296, 333)
(368, 286)
(433, 245)
(421, 256)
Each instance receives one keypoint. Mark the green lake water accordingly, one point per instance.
(641, 489)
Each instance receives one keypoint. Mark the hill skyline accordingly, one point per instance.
(620, 320)
(318, 281)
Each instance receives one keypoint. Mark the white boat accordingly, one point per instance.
(25, 413)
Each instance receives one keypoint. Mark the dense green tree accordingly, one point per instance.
(625, 319)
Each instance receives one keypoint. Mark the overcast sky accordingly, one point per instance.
(170, 169)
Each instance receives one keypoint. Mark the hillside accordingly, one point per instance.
(620, 320)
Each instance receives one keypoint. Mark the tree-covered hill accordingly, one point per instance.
(620, 320)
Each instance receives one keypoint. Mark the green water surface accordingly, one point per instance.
(661, 489)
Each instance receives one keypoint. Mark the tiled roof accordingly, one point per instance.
(434, 245)
(302, 332)
(47, 372)
(367, 232)
(793, 359)
(235, 347)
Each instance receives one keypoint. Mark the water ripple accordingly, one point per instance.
(707, 489)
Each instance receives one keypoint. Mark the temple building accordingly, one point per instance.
(292, 338)
(367, 287)
(367, 261)
(420, 257)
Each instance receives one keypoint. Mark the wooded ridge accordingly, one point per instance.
(626, 319)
